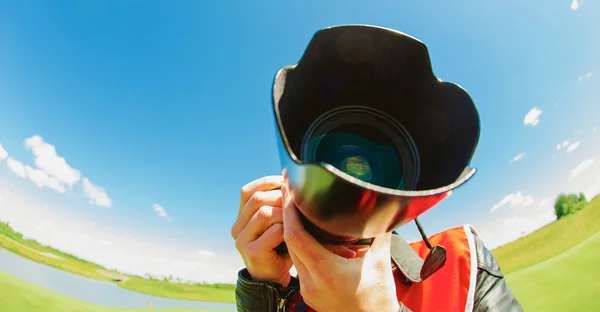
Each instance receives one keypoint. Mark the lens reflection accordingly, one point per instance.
(364, 146)
(358, 167)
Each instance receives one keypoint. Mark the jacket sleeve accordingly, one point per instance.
(492, 293)
(255, 296)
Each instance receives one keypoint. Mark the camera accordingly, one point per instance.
(368, 136)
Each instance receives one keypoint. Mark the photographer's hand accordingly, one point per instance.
(259, 229)
(332, 283)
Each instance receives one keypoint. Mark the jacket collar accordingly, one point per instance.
(405, 259)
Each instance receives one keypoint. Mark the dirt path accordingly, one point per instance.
(45, 254)
(113, 275)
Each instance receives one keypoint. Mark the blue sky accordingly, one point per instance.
(168, 103)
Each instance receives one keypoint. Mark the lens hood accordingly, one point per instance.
(384, 70)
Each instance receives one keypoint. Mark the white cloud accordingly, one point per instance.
(517, 199)
(112, 247)
(562, 145)
(528, 215)
(50, 162)
(533, 117)
(517, 157)
(41, 180)
(17, 167)
(568, 146)
(585, 76)
(586, 179)
(583, 166)
(160, 211)
(54, 172)
(575, 5)
(573, 146)
(3, 153)
(96, 194)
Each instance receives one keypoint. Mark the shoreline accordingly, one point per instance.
(30, 249)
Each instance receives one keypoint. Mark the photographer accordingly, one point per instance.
(318, 210)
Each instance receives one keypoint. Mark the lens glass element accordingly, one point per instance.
(364, 144)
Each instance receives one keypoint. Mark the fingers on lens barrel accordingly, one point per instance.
(258, 199)
(270, 239)
(262, 230)
(260, 185)
(262, 220)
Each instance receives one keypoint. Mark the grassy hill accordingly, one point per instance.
(555, 267)
(550, 240)
(14, 241)
(551, 269)
(567, 282)
(17, 295)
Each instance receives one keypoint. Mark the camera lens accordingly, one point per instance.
(366, 144)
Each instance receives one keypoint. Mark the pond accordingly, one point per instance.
(92, 291)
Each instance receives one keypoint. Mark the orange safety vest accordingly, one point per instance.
(451, 288)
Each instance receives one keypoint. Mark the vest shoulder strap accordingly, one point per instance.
(451, 288)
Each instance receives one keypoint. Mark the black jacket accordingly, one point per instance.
(491, 294)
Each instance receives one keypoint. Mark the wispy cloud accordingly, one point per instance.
(568, 146)
(594, 129)
(517, 157)
(585, 76)
(113, 248)
(562, 145)
(3, 153)
(38, 177)
(576, 4)
(41, 180)
(517, 199)
(50, 162)
(96, 194)
(573, 146)
(583, 166)
(160, 211)
(533, 117)
(16, 166)
(529, 213)
(54, 172)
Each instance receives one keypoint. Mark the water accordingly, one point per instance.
(92, 291)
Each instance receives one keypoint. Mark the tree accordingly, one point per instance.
(568, 204)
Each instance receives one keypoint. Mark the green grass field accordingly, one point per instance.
(31, 249)
(556, 267)
(552, 269)
(551, 240)
(17, 295)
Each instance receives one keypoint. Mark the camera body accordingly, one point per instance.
(369, 138)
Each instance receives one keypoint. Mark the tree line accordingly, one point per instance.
(568, 204)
